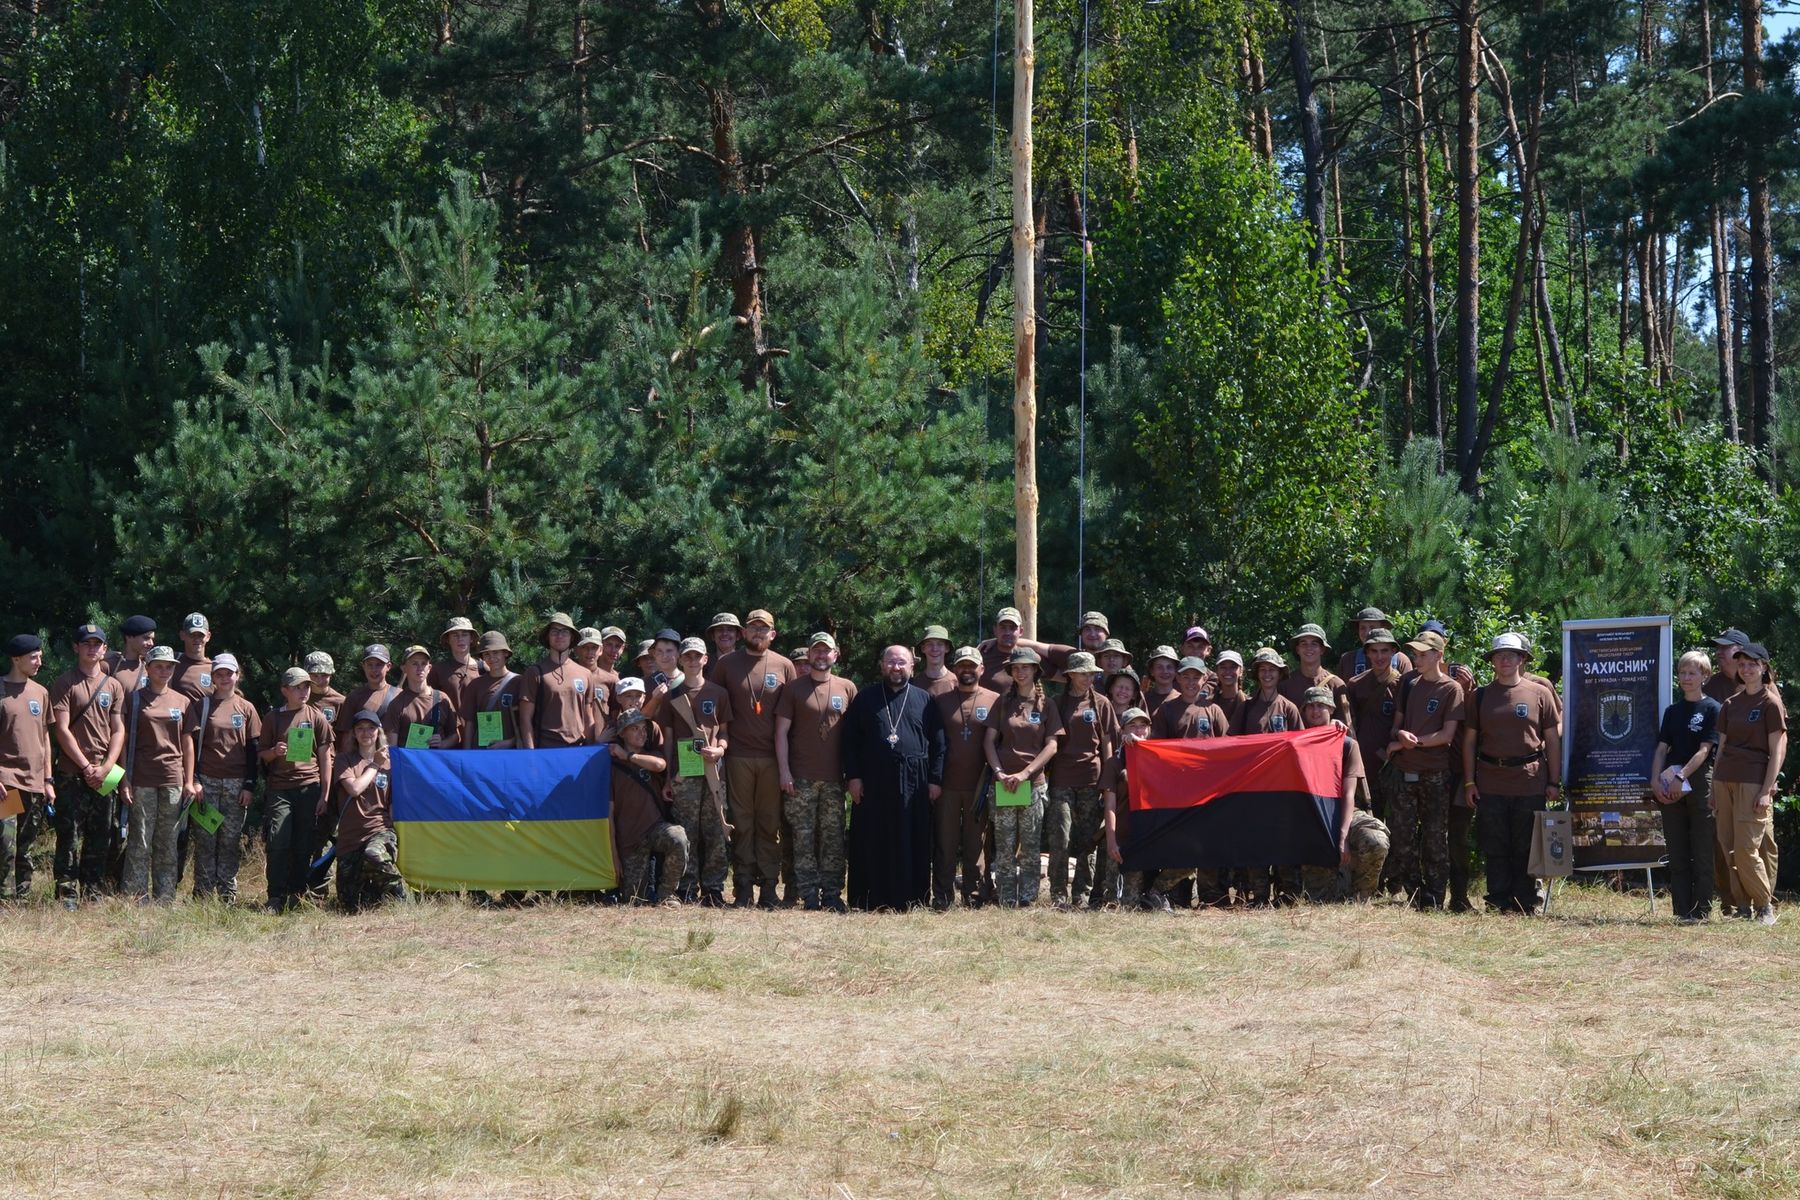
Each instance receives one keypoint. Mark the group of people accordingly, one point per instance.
(943, 782)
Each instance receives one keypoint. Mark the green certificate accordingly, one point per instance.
(418, 737)
(490, 727)
(1014, 797)
(300, 743)
(113, 779)
(688, 763)
(206, 816)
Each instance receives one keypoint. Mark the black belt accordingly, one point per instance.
(1523, 760)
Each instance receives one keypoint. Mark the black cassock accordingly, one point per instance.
(889, 852)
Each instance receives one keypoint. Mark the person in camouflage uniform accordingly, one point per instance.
(696, 712)
(1362, 840)
(639, 824)
(1428, 716)
(1074, 812)
(809, 719)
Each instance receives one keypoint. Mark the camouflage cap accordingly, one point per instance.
(1318, 695)
(1167, 652)
(1024, 655)
(320, 663)
(1132, 715)
(1269, 656)
(1381, 637)
(693, 645)
(965, 654)
(1009, 613)
(633, 716)
(1081, 663)
(1306, 631)
(164, 653)
(1097, 619)
(458, 625)
(1123, 673)
(821, 638)
(728, 620)
(589, 636)
(1115, 646)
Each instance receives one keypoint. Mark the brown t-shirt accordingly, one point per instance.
(1353, 760)
(1090, 732)
(1720, 688)
(1231, 706)
(1295, 687)
(1277, 714)
(430, 707)
(284, 775)
(1154, 699)
(965, 731)
(712, 713)
(605, 686)
(1179, 719)
(231, 725)
(24, 735)
(1116, 779)
(561, 696)
(940, 686)
(330, 702)
(90, 709)
(453, 679)
(1747, 726)
(754, 683)
(162, 718)
(1511, 721)
(636, 805)
(1024, 727)
(360, 700)
(129, 672)
(485, 693)
(1372, 701)
(996, 671)
(1429, 704)
(817, 712)
(192, 677)
(361, 817)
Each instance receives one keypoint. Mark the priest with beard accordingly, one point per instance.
(893, 746)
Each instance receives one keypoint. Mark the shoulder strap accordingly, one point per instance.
(200, 732)
(388, 699)
(493, 700)
(136, 707)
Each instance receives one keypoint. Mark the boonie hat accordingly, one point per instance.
(558, 618)
(1380, 637)
(729, 620)
(1272, 656)
(1094, 618)
(1117, 647)
(1306, 631)
(1081, 663)
(935, 631)
(1372, 614)
(458, 625)
(493, 640)
(1510, 641)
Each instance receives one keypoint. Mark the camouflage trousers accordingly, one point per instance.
(709, 849)
(666, 840)
(1419, 825)
(815, 814)
(84, 831)
(1072, 817)
(151, 841)
(1018, 834)
(1367, 843)
(16, 837)
(371, 872)
(216, 854)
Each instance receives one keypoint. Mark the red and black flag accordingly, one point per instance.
(1265, 800)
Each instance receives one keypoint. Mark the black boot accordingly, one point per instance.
(834, 903)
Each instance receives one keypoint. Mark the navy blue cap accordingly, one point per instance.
(89, 633)
(23, 644)
(1732, 637)
(1755, 650)
(138, 626)
(1434, 626)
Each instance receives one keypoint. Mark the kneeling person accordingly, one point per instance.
(366, 849)
(640, 825)
(1362, 841)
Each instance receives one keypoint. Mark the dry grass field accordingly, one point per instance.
(448, 1051)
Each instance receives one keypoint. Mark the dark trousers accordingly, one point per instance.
(290, 818)
(1688, 830)
(16, 837)
(959, 818)
(84, 836)
(1462, 820)
(1503, 823)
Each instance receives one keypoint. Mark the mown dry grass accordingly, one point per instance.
(557, 1051)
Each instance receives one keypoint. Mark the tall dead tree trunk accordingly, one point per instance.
(1468, 243)
(1721, 287)
(1024, 243)
(1312, 140)
(1428, 338)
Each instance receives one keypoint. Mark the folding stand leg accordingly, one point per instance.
(1650, 886)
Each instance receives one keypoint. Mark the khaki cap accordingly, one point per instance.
(589, 636)
(1167, 652)
(1134, 714)
(1081, 663)
(692, 645)
(610, 632)
(292, 677)
(1381, 637)
(1116, 647)
(412, 650)
(821, 638)
(965, 654)
(458, 625)
(1232, 656)
(1431, 639)
(493, 640)
(760, 614)
(1009, 613)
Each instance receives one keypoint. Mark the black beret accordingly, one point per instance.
(23, 644)
(138, 626)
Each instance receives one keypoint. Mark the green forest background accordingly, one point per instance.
(332, 318)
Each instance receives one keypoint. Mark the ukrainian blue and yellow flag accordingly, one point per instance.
(505, 820)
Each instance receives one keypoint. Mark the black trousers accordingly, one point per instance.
(1503, 824)
(1688, 830)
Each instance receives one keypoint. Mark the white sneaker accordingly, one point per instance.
(1765, 915)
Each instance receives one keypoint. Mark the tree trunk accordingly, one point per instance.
(1721, 297)
(1024, 241)
(1525, 167)
(1428, 341)
(1262, 131)
(1762, 254)
(1468, 243)
(1312, 141)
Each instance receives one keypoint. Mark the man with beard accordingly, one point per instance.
(996, 652)
(961, 815)
(753, 676)
(893, 747)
